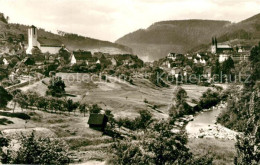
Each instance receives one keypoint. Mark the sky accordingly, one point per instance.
(112, 19)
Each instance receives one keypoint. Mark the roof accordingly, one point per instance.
(96, 119)
(82, 55)
(38, 58)
(191, 104)
(224, 47)
(49, 42)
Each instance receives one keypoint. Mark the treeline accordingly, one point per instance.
(243, 115)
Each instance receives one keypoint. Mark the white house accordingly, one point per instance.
(171, 56)
(223, 57)
(202, 61)
(98, 61)
(44, 45)
(5, 61)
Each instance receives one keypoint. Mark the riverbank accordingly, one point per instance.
(205, 125)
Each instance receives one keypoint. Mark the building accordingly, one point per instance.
(176, 71)
(223, 57)
(207, 71)
(80, 57)
(171, 56)
(43, 45)
(97, 121)
(5, 62)
(220, 48)
(114, 61)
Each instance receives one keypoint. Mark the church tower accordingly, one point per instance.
(214, 45)
(32, 39)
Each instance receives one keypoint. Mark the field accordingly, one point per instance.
(122, 98)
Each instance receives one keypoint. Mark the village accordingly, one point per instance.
(88, 106)
(45, 55)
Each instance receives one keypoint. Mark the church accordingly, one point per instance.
(218, 48)
(44, 45)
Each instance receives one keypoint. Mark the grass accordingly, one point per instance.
(76, 143)
(223, 151)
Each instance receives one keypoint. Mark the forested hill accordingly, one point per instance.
(72, 41)
(176, 36)
(184, 35)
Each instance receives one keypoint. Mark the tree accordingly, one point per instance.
(83, 108)
(37, 151)
(217, 70)
(56, 87)
(5, 97)
(227, 66)
(158, 146)
(16, 93)
(248, 149)
(144, 120)
(179, 106)
(70, 105)
(95, 109)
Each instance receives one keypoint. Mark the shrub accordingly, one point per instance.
(56, 87)
(37, 151)
(17, 115)
(95, 109)
(5, 97)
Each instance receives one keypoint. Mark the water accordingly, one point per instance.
(203, 120)
(204, 125)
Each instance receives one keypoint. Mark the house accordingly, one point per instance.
(166, 64)
(218, 48)
(187, 70)
(44, 45)
(189, 57)
(5, 62)
(97, 121)
(98, 61)
(203, 61)
(207, 72)
(38, 59)
(171, 56)
(223, 57)
(80, 57)
(176, 71)
(114, 61)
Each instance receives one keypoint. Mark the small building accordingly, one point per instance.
(114, 61)
(5, 62)
(80, 57)
(97, 121)
(223, 57)
(171, 56)
(207, 72)
(176, 71)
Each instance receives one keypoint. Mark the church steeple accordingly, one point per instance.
(216, 42)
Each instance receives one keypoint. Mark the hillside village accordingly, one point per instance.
(131, 107)
(46, 55)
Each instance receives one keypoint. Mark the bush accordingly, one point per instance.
(5, 97)
(37, 151)
(209, 99)
(56, 87)
(17, 115)
(95, 109)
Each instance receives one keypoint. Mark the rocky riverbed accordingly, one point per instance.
(204, 125)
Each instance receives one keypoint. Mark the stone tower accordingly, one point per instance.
(32, 39)
(214, 45)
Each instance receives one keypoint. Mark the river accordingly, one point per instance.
(204, 125)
